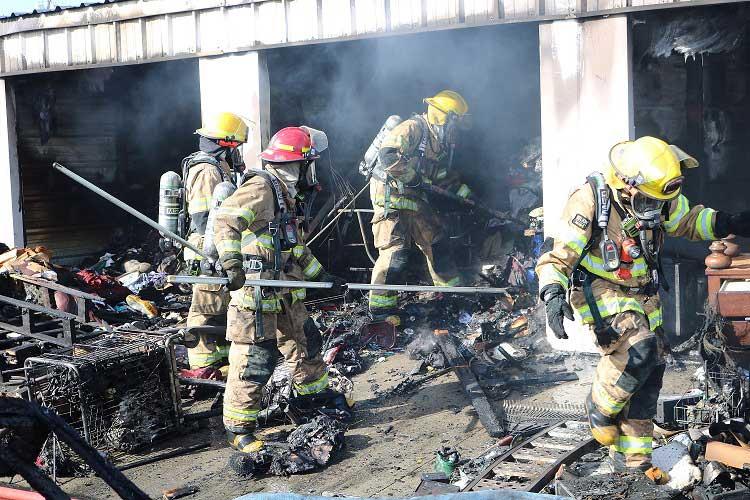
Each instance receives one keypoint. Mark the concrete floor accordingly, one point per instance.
(374, 462)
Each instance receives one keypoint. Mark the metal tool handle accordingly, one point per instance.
(132, 211)
(210, 280)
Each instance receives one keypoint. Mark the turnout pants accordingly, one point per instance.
(626, 386)
(252, 359)
(208, 307)
(394, 237)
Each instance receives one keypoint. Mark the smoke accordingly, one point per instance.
(349, 89)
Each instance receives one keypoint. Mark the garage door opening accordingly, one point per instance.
(120, 128)
(349, 89)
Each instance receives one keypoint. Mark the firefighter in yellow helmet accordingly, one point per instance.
(606, 262)
(417, 151)
(216, 161)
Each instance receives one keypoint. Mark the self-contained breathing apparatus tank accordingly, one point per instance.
(170, 202)
(368, 164)
(222, 191)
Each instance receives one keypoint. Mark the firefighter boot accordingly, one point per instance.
(603, 428)
(245, 442)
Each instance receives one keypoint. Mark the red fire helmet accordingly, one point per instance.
(289, 144)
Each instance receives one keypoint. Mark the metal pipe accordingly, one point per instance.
(214, 280)
(364, 237)
(341, 212)
(132, 211)
(420, 288)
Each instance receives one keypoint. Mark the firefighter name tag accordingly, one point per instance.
(581, 221)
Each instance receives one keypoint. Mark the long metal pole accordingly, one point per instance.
(132, 211)
(211, 280)
(420, 288)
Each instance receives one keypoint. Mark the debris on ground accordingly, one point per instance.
(309, 447)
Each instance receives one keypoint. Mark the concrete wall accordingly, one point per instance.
(586, 100)
(11, 217)
(239, 83)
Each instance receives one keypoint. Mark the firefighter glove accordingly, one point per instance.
(236, 277)
(557, 308)
(737, 224)
(338, 282)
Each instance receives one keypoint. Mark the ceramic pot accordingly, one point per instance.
(718, 259)
(733, 249)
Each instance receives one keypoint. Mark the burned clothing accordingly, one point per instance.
(252, 361)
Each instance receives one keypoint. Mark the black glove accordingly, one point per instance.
(557, 308)
(338, 283)
(737, 224)
(236, 277)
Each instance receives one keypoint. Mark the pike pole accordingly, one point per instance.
(209, 280)
(132, 211)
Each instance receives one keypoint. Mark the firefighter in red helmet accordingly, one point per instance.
(264, 324)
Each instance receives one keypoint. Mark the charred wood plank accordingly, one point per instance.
(490, 420)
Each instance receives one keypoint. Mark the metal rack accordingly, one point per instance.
(725, 395)
(119, 390)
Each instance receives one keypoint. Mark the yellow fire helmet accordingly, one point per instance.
(224, 126)
(650, 165)
(444, 102)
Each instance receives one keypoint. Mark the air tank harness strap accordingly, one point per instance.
(605, 333)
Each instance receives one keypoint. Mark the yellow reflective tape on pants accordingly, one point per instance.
(298, 294)
(239, 414)
(464, 191)
(203, 359)
(550, 274)
(450, 282)
(313, 387)
(704, 224)
(655, 319)
(680, 211)
(198, 205)
(226, 246)
(604, 401)
(609, 307)
(312, 269)
(383, 301)
(244, 213)
(632, 445)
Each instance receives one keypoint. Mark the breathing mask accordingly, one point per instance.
(647, 210)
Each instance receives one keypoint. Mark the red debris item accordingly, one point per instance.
(330, 355)
(15, 494)
(206, 373)
(104, 286)
(382, 333)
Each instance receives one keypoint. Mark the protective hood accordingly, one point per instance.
(288, 173)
